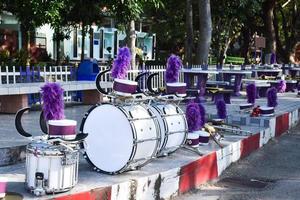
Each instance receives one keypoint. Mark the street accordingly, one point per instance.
(270, 173)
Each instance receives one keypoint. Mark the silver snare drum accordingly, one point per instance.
(50, 168)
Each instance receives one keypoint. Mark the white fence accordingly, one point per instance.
(13, 75)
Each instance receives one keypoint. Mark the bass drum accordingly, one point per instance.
(120, 138)
(173, 127)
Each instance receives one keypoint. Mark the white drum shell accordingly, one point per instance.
(58, 177)
(173, 126)
(120, 137)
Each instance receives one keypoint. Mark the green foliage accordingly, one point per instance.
(228, 19)
(21, 57)
(126, 10)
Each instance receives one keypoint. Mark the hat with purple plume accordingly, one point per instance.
(202, 114)
(193, 116)
(272, 97)
(121, 64)
(281, 86)
(173, 66)
(251, 93)
(221, 109)
(53, 101)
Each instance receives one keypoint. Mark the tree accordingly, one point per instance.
(268, 16)
(189, 43)
(205, 30)
(287, 27)
(84, 13)
(55, 14)
(30, 13)
(126, 12)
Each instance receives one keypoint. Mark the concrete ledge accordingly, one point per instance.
(177, 181)
(12, 155)
(171, 179)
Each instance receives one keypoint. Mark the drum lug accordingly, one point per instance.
(40, 184)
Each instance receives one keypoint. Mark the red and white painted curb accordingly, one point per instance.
(176, 181)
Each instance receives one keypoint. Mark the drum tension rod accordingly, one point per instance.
(145, 140)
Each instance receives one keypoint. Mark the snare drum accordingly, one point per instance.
(121, 137)
(50, 168)
(173, 127)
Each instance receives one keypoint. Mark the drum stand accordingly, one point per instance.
(193, 149)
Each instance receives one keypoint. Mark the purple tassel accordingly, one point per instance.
(173, 66)
(53, 101)
(193, 117)
(121, 64)
(202, 114)
(221, 109)
(251, 93)
(272, 97)
(281, 87)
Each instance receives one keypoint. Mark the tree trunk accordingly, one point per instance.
(205, 30)
(25, 38)
(57, 46)
(83, 33)
(246, 43)
(283, 54)
(189, 33)
(131, 37)
(268, 10)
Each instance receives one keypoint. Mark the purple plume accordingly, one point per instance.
(272, 97)
(298, 87)
(193, 116)
(53, 101)
(251, 93)
(173, 66)
(202, 114)
(221, 109)
(121, 64)
(281, 86)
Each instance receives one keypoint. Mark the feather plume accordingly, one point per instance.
(173, 66)
(281, 87)
(221, 109)
(202, 114)
(193, 116)
(122, 63)
(272, 97)
(251, 93)
(53, 101)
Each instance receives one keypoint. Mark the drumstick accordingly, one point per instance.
(212, 130)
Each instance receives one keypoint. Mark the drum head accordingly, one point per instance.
(109, 144)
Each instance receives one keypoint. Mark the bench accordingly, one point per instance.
(220, 94)
(14, 96)
(234, 60)
(212, 61)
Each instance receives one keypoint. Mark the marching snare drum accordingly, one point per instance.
(173, 127)
(50, 168)
(120, 137)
